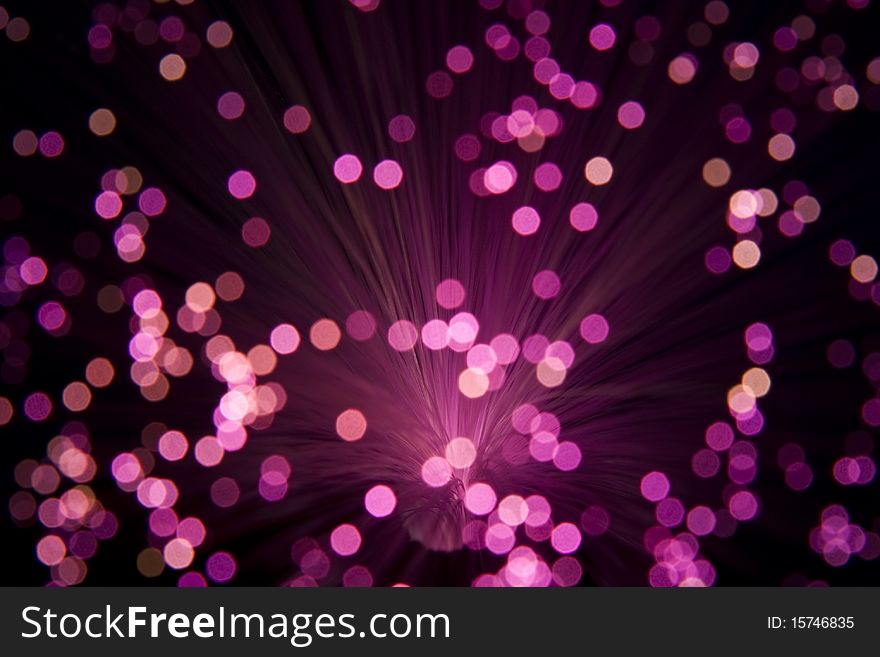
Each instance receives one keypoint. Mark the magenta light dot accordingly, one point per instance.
(567, 571)
(33, 270)
(225, 492)
(242, 184)
(51, 550)
(84, 544)
(276, 463)
(351, 425)
(475, 182)
(526, 220)
(284, 339)
(738, 130)
(647, 28)
(500, 538)
(401, 128)
(500, 177)
(125, 468)
(357, 577)
(480, 499)
(467, 148)
(669, 512)
(366, 6)
(567, 456)
(602, 37)
(584, 95)
(37, 406)
(152, 201)
(546, 284)
(543, 446)
(301, 547)
(108, 205)
(178, 553)
(513, 510)
(594, 328)
(743, 505)
(547, 422)
(519, 124)
(220, 567)
(497, 36)
(798, 476)
(297, 119)
(654, 486)
(450, 293)
(436, 472)
(701, 520)
(867, 470)
(719, 436)
(380, 501)
(846, 471)
(105, 525)
(758, 337)
(522, 565)
(192, 530)
(790, 225)
(173, 445)
(439, 84)
(718, 260)
(171, 29)
(360, 325)
(871, 412)
(403, 335)
(192, 579)
(100, 37)
(51, 144)
(565, 538)
(705, 463)
(51, 316)
(347, 169)
(539, 511)
(595, 521)
(548, 177)
(461, 452)
(163, 522)
(315, 563)
(459, 59)
(547, 122)
(230, 105)
(482, 357)
(25, 143)
(463, 329)
(534, 348)
(561, 86)
(505, 348)
(842, 253)
(537, 22)
(783, 120)
(510, 51)
(387, 174)
(272, 487)
(583, 217)
(522, 417)
(22, 507)
(435, 334)
(345, 540)
(841, 354)
(785, 39)
(631, 115)
(255, 232)
(790, 454)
